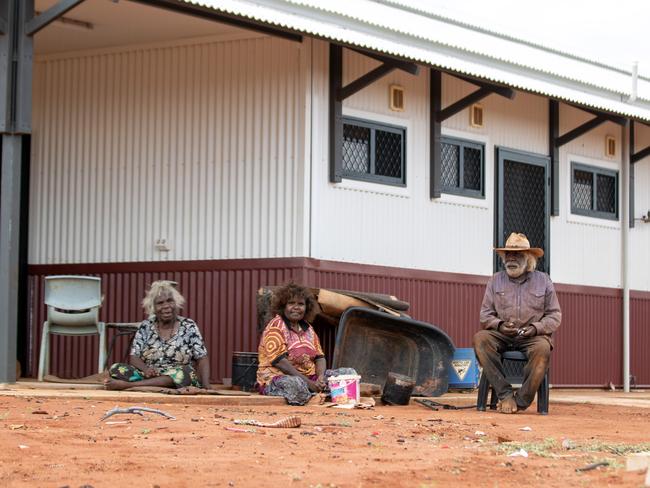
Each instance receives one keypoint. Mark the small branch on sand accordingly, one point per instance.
(137, 411)
(589, 467)
(235, 429)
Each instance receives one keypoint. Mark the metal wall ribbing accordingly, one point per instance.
(221, 298)
(403, 227)
(211, 146)
(383, 225)
(640, 237)
(197, 144)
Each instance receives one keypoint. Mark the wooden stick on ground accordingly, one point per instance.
(137, 411)
(286, 423)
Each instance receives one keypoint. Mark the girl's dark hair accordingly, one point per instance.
(283, 294)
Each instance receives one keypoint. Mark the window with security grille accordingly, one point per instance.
(594, 191)
(462, 167)
(374, 152)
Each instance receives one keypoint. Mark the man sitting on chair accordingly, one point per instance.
(520, 311)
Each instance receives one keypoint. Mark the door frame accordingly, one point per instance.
(524, 157)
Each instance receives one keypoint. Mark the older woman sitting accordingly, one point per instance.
(164, 347)
(291, 360)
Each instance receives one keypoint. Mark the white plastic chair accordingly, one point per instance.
(72, 309)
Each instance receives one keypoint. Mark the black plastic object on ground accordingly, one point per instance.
(244, 370)
(398, 389)
(437, 406)
(376, 343)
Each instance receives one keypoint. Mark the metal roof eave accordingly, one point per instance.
(411, 26)
(303, 19)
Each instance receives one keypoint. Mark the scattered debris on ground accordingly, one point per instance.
(136, 411)
(591, 466)
(405, 446)
(285, 423)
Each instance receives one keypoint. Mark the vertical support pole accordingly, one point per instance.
(16, 53)
(16, 60)
(626, 164)
(9, 254)
(24, 331)
(335, 113)
(554, 153)
(631, 151)
(7, 8)
(435, 158)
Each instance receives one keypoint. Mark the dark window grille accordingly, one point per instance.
(524, 197)
(606, 194)
(374, 152)
(462, 167)
(583, 190)
(594, 191)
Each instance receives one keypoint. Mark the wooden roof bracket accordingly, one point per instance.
(438, 115)
(43, 19)
(556, 141)
(484, 90)
(638, 155)
(338, 93)
(586, 127)
(554, 153)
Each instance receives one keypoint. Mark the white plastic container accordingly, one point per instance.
(345, 388)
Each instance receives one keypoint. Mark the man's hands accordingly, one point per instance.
(528, 331)
(511, 329)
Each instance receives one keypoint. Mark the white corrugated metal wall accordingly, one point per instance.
(640, 235)
(379, 224)
(586, 250)
(203, 144)
(403, 227)
(200, 144)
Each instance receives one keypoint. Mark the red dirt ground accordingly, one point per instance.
(60, 442)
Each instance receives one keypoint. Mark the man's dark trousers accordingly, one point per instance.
(490, 344)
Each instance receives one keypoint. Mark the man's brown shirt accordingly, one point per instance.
(528, 300)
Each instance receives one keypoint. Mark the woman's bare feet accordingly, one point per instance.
(163, 381)
(113, 384)
(507, 405)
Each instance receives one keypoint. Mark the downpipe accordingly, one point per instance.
(625, 237)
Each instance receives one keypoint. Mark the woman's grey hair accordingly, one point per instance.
(156, 289)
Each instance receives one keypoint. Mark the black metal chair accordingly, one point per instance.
(121, 329)
(513, 365)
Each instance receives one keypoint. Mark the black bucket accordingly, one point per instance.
(398, 389)
(244, 370)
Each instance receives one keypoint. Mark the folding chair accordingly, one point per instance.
(72, 309)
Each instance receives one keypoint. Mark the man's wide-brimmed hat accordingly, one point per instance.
(519, 242)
